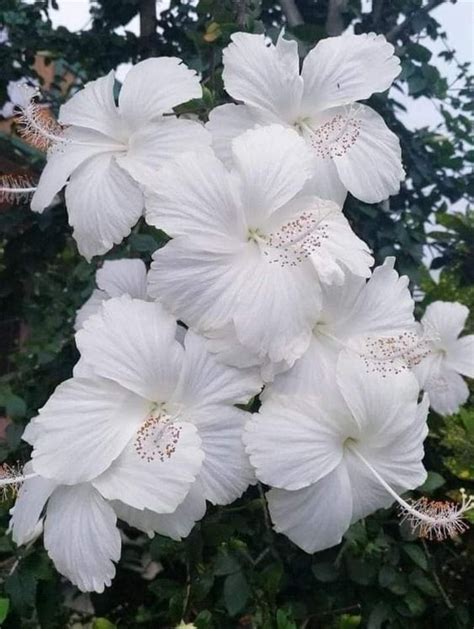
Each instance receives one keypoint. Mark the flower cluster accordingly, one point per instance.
(275, 297)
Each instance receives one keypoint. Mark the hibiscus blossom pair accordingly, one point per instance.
(146, 430)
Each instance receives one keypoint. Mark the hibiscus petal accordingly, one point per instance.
(132, 342)
(371, 166)
(90, 307)
(123, 277)
(81, 537)
(341, 70)
(383, 403)
(94, 107)
(227, 122)
(196, 196)
(63, 159)
(103, 203)
(151, 146)
(399, 463)
(204, 381)
(29, 505)
(317, 516)
(199, 278)
(293, 442)
(446, 320)
(176, 525)
(460, 356)
(153, 481)
(85, 425)
(154, 86)
(447, 392)
(226, 471)
(325, 182)
(273, 164)
(264, 76)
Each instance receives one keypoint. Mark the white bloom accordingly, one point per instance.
(144, 416)
(450, 356)
(114, 279)
(107, 149)
(352, 147)
(374, 319)
(249, 249)
(331, 459)
(80, 532)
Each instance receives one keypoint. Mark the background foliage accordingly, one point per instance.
(233, 571)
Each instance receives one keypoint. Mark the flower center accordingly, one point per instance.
(334, 137)
(393, 354)
(158, 436)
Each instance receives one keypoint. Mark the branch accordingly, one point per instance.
(292, 13)
(398, 30)
(334, 21)
(147, 12)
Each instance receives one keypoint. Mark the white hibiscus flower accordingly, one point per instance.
(249, 249)
(114, 279)
(450, 358)
(144, 417)
(106, 149)
(335, 459)
(374, 319)
(353, 149)
(80, 532)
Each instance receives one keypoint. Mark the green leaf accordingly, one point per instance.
(415, 603)
(236, 593)
(380, 614)
(387, 576)
(416, 554)
(4, 608)
(103, 623)
(226, 564)
(433, 482)
(423, 583)
(283, 621)
(21, 587)
(348, 621)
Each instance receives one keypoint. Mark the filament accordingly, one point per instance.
(11, 479)
(15, 188)
(431, 519)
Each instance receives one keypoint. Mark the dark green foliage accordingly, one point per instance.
(233, 570)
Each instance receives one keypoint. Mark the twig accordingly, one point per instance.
(397, 31)
(442, 591)
(292, 13)
(334, 21)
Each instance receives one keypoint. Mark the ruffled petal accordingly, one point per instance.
(399, 463)
(293, 442)
(226, 123)
(460, 356)
(316, 517)
(325, 182)
(156, 469)
(132, 342)
(382, 403)
(176, 525)
(123, 277)
(370, 163)
(264, 76)
(29, 505)
(204, 381)
(156, 143)
(78, 146)
(81, 537)
(93, 107)
(154, 86)
(84, 426)
(341, 70)
(273, 164)
(198, 279)
(447, 391)
(103, 203)
(196, 196)
(226, 471)
(445, 320)
(90, 307)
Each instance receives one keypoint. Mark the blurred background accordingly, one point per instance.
(233, 571)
